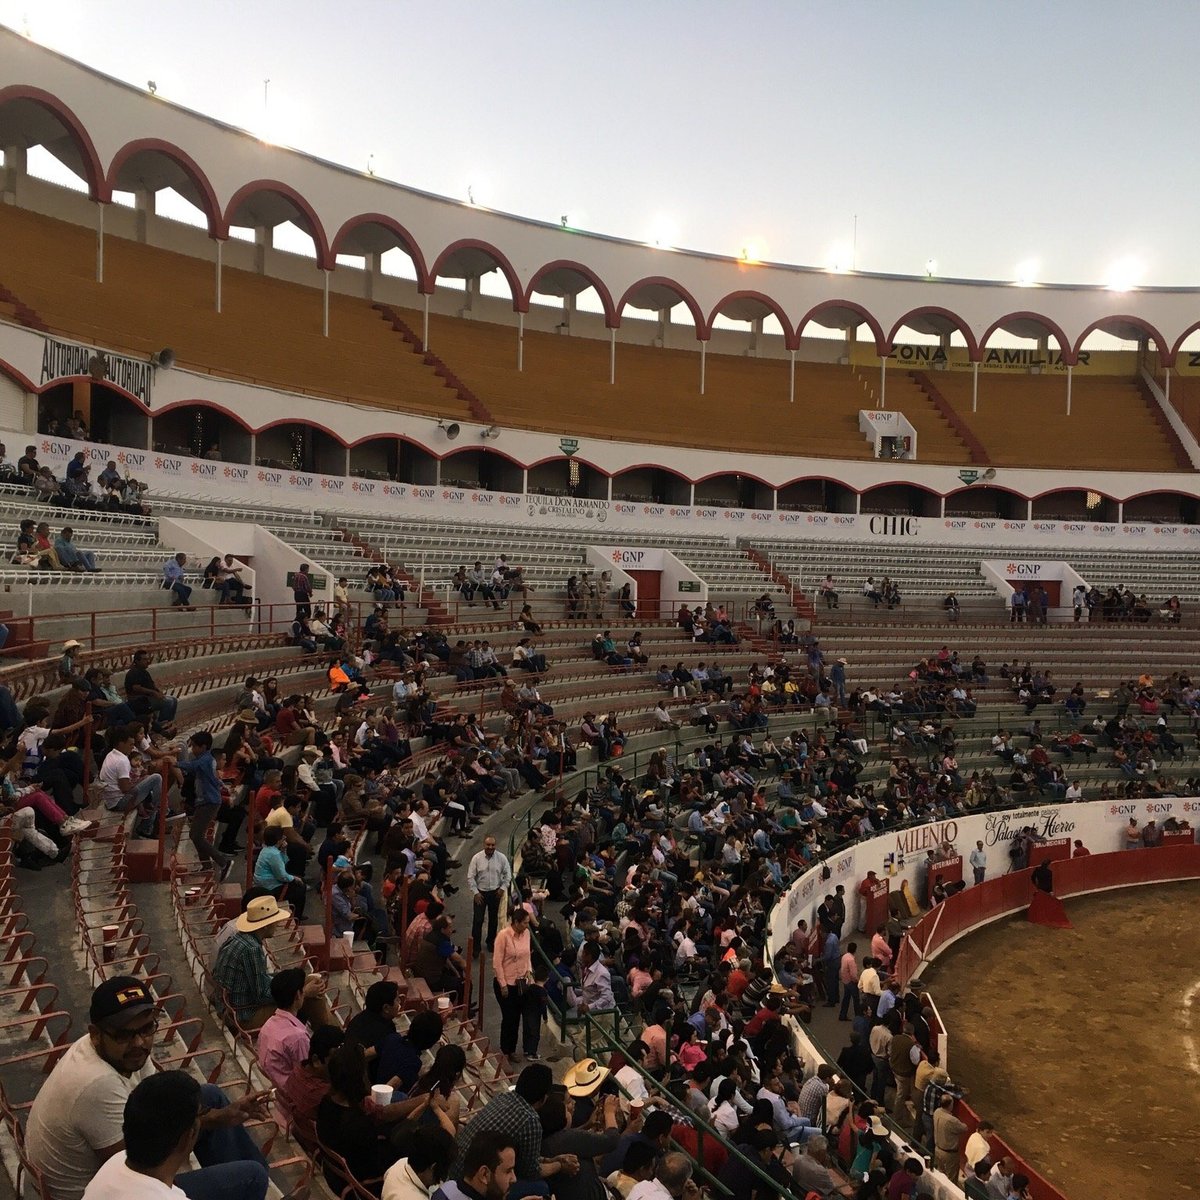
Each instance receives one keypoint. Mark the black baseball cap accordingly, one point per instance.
(118, 1001)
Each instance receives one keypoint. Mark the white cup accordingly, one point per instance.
(443, 1002)
(348, 936)
(109, 934)
(381, 1093)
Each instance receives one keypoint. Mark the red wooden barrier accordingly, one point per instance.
(1010, 893)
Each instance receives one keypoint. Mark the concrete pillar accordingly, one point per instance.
(220, 256)
(756, 328)
(568, 313)
(264, 239)
(472, 290)
(664, 323)
(372, 269)
(16, 171)
(143, 207)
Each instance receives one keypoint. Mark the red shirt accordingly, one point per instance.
(737, 982)
(301, 1095)
(758, 1022)
(1081, 852)
(263, 799)
(286, 721)
(714, 1153)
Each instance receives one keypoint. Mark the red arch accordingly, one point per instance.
(733, 475)
(210, 206)
(226, 412)
(684, 295)
(958, 491)
(1069, 490)
(934, 311)
(337, 437)
(506, 267)
(480, 449)
(887, 483)
(1141, 323)
(408, 242)
(41, 389)
(1160, 492)
(1183, 337)
(813, 479)
(646, 466)
(789, 336)
(567, 458)
(315, 228)
(1064, 343)
(881, 343)
(561, 264)
(91, 160)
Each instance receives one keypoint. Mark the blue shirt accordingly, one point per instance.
(270, 869)
(172, 571)
(833, 949)
(204, 769)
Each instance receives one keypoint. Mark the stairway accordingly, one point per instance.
(425, 598)
(26, 315)
(799, 601)
(1182, 460)
(964, 433)
(478, 409)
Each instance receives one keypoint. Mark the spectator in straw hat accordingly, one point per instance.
(241, 974)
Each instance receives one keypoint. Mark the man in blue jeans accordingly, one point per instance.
(161, 1129)
(143, 694)
(77, 1122)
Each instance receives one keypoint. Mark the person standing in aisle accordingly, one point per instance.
(489, 876)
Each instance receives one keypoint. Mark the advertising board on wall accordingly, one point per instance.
(220, 481)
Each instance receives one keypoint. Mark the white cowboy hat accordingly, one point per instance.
(261, 912)
(585, 1077)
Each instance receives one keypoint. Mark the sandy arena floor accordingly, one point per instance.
(1083, 1046)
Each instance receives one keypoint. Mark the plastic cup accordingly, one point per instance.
(348, 937)
(381, 1094)
(109, 933)
(443, 1002)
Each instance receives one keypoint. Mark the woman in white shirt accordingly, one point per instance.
(721, 1108)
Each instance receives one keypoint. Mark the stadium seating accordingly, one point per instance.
(1022, 421)
(268, 331)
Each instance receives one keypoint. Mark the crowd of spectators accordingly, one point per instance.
(110, 492)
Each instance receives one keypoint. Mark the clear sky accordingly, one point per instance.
(979, 135)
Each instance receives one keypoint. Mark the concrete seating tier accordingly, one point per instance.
(1111, 426)
(269, 331)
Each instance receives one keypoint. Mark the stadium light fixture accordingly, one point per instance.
(930, 268)
(1027, 272)
(754, 250)
(840, 259)
(1125, 274)
(664, 234)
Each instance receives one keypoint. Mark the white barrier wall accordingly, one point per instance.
(1099, 824)
(597, 520)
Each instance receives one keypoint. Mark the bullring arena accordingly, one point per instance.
(452, 551)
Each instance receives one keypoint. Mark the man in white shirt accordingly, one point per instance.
(160, 1126)
(672, 1181)
(115, 781)
(489, 876)
(427, 1165)
(630, 1079)
(662, 718)
(76, 1122)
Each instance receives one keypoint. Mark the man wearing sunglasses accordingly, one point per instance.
(75, 1124)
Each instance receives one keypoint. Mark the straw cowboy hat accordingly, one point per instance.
(585, 1077)
(261, 912)
(247, 716)
(72, 644)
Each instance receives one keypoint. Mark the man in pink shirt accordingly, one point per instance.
(283, 1039)
(881, 950)
(848, 977)
(520, 1000)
